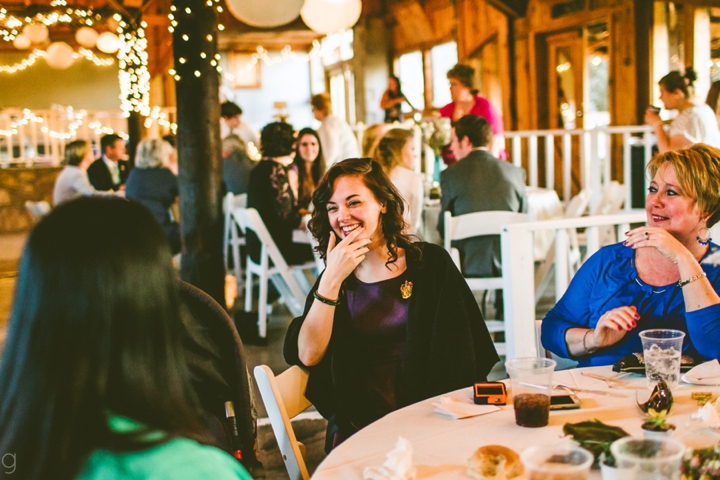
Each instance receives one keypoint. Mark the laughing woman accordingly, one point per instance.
(389, 322)
(662, 276)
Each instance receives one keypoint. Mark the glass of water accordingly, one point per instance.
(662, 350)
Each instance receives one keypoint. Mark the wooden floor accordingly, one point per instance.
(310, 429)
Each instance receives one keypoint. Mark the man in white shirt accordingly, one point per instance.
(231, 122)
(337, 139)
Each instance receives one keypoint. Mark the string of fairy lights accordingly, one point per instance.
(133, 75)
(77, 121)
(32, 58)
(214, 60)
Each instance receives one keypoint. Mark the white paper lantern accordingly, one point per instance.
(21, 42)
(108, 42)
(268, 14)
(36, 33)
(59, 55)
(87, 37)
(330, 16)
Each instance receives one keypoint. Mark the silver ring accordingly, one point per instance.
(647, 236)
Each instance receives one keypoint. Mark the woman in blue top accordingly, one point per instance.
(661, 276)
(93, 379)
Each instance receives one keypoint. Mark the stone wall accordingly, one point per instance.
(19, 184)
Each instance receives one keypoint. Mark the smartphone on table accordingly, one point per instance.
(564, 402)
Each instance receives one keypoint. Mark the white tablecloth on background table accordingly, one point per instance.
(441, 445)
(543, 204)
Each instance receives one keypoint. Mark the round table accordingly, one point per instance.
(441, 445)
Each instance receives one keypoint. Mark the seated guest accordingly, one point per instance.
(479, 182)
(336, 137)
(656, 278)
(396, 154)
(155, 186)
(270, 194)
(93, 382)
(231, 122)
(307, 167)
(236, 165)
(389, 322)
(110, 171)
(73, 180)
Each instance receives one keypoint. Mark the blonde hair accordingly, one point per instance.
(389, 149)
(371, 137)
(697, 168)
(75, 152)
(152, 153)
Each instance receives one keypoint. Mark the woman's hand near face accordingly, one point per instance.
(658, 238)
(652, 118)
(613, 325)
(342, 258)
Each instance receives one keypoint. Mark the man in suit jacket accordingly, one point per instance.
(110, 171)
(479, 182)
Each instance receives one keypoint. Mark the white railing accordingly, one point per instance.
(591, 156)
(30, 137)
(519, 269)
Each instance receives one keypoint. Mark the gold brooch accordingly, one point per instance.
(406, 289)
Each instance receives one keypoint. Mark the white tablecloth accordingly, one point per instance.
(441, 445)
(543, 204)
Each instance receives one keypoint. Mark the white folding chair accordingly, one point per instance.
(289, 280)
(37, 209)
(284, 398)
(475, 225)
(230, 237)
(611, 202)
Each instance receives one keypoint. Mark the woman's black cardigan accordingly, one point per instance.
(448, 343)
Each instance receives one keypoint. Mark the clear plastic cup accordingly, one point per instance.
(531, 389)
(557, 462)
(648, 458)
(662, 350)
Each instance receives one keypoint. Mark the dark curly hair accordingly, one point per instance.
(392, 223)
(277, 139)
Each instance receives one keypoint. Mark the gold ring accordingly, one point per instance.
(647, 236)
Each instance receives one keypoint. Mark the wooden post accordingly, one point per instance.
(134, 135)
(198, 135)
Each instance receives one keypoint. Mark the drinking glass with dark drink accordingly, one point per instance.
(531, 388)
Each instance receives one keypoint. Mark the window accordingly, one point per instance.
(410, 71)
(443, 57)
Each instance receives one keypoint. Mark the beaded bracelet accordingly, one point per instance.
(326, 301)
(682, 283)
(587, 350)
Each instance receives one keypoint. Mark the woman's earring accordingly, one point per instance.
(703, 236)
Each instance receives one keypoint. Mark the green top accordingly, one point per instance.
(177, 459)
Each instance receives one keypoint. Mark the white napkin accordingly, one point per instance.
(708, 415)
(398, 465)
(458, 408)
(707, 373)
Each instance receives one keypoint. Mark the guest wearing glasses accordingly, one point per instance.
(664, 275)
(93, 380)
(389, 322)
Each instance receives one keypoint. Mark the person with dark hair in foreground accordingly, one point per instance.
(390, 322)
(270, 194)
(93, 379)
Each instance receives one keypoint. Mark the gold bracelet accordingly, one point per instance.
(587, 350)
(682, 283)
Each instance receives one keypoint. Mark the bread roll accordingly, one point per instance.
(494, 462)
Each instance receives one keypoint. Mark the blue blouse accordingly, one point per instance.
(609, 280)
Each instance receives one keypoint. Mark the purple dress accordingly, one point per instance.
(378, 322)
